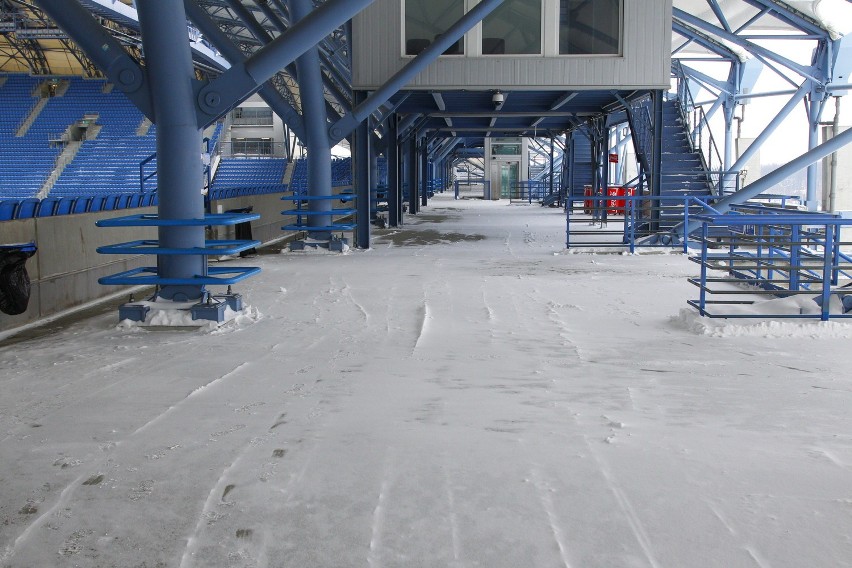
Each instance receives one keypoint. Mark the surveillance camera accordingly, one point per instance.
(498, 98)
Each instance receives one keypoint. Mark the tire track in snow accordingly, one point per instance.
(65, 404)
(454, 522)
(374, 555)
(492, 318)
(347, 291)
(219, 488)
(547, 505)
(424, 314)
(624, 504)
(191, 394)
(64, 496)
(754, 554)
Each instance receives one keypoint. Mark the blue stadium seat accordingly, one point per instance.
(82, 204)
(8, 208)
(110, 202)
(47, 207)
(65, 205)
(97, 203)
(27, 208)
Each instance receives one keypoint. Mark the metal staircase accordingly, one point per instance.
(685, 173)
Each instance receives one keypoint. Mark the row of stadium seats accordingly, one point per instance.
(341, 174)
(245, 172)
(28, 208)
(231, 192)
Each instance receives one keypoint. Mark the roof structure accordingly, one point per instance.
(721, 30)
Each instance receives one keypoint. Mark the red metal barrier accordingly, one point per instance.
(617, 206)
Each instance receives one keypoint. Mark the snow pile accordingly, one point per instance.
(762, 325)
(168, 314)
(238, 320)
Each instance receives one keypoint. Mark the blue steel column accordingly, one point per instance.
(424, 173)
(814, 113)
(392, 154)
(729, 109)
(374, 180)
(361, 160)
(314, 115)
(179, 169)
(552, 173)
(657, 148)
(411, 175)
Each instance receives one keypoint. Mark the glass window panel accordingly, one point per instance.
(506, 149)
(589, 27)
(513, 28)
(252, 146)
(427, 19)
(257, 116)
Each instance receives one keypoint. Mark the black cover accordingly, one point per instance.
(14, 280)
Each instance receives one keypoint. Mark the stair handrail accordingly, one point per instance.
(639, 116)
(696, 122)
(142, 177)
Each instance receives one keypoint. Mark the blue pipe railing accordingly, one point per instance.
(635, 218)
(777, 254)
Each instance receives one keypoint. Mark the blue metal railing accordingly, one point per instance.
(701, 136)
(529, 191)
(775, 253)
(143, 177)
(637, 220)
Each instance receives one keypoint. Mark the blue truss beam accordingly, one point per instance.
(261, 35)
(103, 49)
(805, 71)
(720, 15)
(332, 87)
(776, 176)
(706, 41)
(704, 80)
(218, 97)
(789, 15)
(268, 92)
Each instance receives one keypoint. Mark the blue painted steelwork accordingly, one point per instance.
(425, 173)
(347, 124)
(800, 94)
(242, 79)
(628, 219)
(104, 50)
(768, 181)
(362, 177)
(211, 247)
(758, 51)
(234, 55)
(259, 32)
(150, 276)
(775, 253)
(304, 217)
(411, 174)
(314, 114)
(171, 76)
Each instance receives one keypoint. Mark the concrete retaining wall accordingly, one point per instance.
(64, 272)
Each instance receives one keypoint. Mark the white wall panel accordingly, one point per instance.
(644, 63)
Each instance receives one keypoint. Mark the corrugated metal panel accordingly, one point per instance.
(645, 62)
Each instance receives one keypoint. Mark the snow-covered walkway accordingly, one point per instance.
(465, 394)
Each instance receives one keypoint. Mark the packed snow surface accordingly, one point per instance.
(463, 394)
